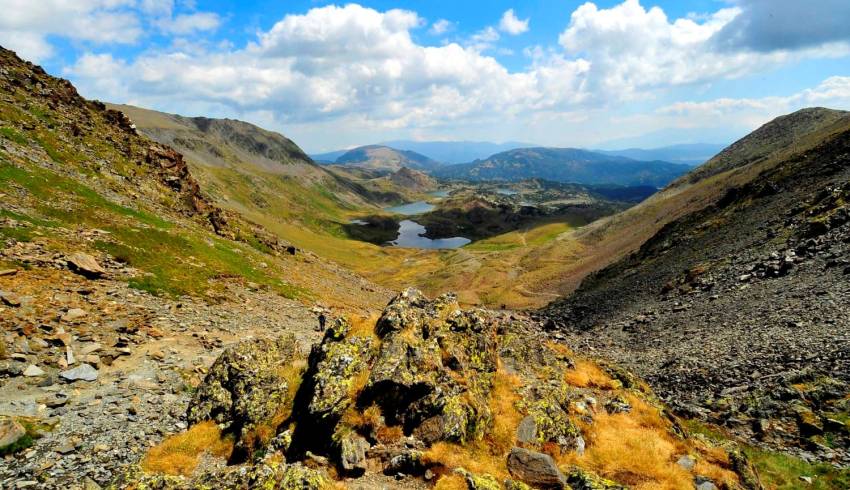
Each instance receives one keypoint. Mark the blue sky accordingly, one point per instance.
(558, 73)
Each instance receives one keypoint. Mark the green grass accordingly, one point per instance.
(779, 471)
(175, 261)
(782, 472)
(14, 136)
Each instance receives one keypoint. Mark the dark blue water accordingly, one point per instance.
(410, 236)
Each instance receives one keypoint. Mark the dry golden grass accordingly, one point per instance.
(488, 454)
(637, 449)
(363, 326)
(180, 453)
(451, 482)
(587, 374)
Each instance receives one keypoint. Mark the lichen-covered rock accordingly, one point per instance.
(339, 362)
(579, 479)
(246, 387)
(479, 482)
(352, 452)
(265, 475)
(433, 373)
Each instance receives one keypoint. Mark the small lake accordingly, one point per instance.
(417, 207)
(507, 192)
(410, 236)
(440, 194)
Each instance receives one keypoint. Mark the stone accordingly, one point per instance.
(10, 299)
(686, 462)
(352, 456)
(83, 372)
(32, 371)
(69, 355)
(8, 272)
(245, 387)
(704, 483)
(89, 348)
(536, 469)
(73, 314)
(11, 432)
(85, 265)
(579, 479)
(526, 431)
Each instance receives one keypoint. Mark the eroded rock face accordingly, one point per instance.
(246, 387)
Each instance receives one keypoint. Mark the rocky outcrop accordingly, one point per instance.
(266, 474)
(246, 389)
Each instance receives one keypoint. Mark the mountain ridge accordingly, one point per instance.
(565, 165)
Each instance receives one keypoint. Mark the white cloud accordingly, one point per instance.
(26, 25)
(634, 50)
(188, 23)
(484, 39)
(359, 71)
(441, 27)
(511, 24)
(833, 92)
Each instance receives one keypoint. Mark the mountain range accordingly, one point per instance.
(565, 165)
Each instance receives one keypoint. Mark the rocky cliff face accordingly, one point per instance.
(433, 394)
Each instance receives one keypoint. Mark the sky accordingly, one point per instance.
(602, 74)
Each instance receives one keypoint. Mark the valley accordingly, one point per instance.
(190, 302)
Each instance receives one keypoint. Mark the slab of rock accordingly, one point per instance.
(527, 430)
(10, 299)
(89, 348)
(686, 462)
(32, 371)
(536, 469)
(8, 272)
(11, 432)
(73, 314)
(85, 265)
(83, 372)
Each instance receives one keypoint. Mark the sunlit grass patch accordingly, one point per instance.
(181, 453)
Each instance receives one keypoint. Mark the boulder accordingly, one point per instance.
(536, 469)
(83, 372)
(11, 432)
(33, 371)
(246, 388)
(85, 265)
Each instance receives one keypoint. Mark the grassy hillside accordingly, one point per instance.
(76, 176)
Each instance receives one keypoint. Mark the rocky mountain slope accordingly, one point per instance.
(386, 159)
(736, 312)
(565, 165)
